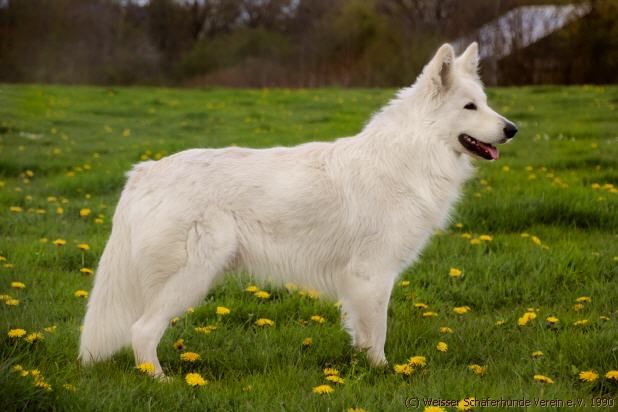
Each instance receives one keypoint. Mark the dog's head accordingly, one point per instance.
(459, 105)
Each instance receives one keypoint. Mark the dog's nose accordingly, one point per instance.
(509, 130)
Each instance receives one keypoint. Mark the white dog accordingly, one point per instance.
(345, 218)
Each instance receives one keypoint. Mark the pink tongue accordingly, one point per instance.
(493, 151)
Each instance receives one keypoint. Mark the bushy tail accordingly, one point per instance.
(116, 301)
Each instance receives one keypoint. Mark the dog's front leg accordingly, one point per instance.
(365, 306)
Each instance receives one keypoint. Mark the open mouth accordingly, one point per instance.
(484, 150)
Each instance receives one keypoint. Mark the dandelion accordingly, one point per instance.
(262, 322)
(16, 333)
(179, 344)
(454, 273)
(330, 371)
(307, 341)
(603, 318)
(262, 294)
(147, 368)
(205, 329)
(51, 329)
(552, 320)
(543, 379)
(537, 354)
(419, 361)
(429, 314)
(59, 242)
(421, 305)
(460, 310)
(500, 322)
(86, 271)
(322, 389)
(527, 317)
(85, 212)
(11, 302)
(18, 285)
(442, 346)
(613, 374)
(174, 320)
(195, 379)
(475, 241)
(17, 368)
(466, 404)
(445, 330)
(59, 210)
(222, 311)
(80, 294)
(581, 322)
(40, 383)
(583, 299)
(335, 379)
(190, 356)
(466, 235)
(319, 319)
(536, 240)
(69, 387)
(588, 376)
(356, 410)
(34, 337)
(434, 409)
(403, 369)
(486, 238)
(16, 209)
(251, 289)
(404, 283)
(84, 247)
(478, 369)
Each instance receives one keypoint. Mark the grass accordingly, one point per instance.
(68, 147)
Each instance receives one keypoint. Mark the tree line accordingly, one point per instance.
(288, 43)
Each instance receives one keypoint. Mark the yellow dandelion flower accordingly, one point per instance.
(205, 329)
(147, 368)
(50, 329)
(466, 404)
(454, 273)
(330, 371)
(486, 238)
(434, 409)
(313, 294)
(84, 212)
(460, 310)
(466, 235)
(318, 319)
(603, 318)
(251, 289)
(613, 374)
(18, 285)
(86, 271)
(190, 356)
(17, 368)
(442, 346)
(578, 307)
(527, 317)
(307, 341)
(335, 379)
(291, 287)
(543, 379)
(429, 314)
(179, 344)
(34, 337)
(404, 283)
(356, 410)
(537, 354)
(84, 247)
(262, 294)
(69, 387)
(262, 322)
(419, 361)
(500, 322)
(59, 242)
(322, 389)
(80, 294)
(403, 369)
(17, 333)
(581, 322)
(15, 209)
(478, 369)
(174, 320)
(222, 311)
(11, 302)
(190, 310)
(536, 240)
(195, 380)
(552, 319)
(99, 221)
(445, 330)
(421, 305)
(475, 241)
(583, 299)
(40, 383)
(588, 376)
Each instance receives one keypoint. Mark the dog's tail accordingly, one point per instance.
(116, 301)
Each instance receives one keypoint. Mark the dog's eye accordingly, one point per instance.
(470, 106)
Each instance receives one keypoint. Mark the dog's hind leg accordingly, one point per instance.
(210, 248)
(365, 307)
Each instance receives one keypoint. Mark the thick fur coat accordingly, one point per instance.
(344, 217)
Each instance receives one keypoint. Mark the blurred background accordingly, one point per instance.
(302, 43)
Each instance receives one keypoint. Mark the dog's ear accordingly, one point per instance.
(439, 71)
(469, 59)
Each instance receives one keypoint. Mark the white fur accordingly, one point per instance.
(345, 218)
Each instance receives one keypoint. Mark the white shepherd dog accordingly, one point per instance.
(343, 217)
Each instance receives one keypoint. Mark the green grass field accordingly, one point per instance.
(548, 209)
